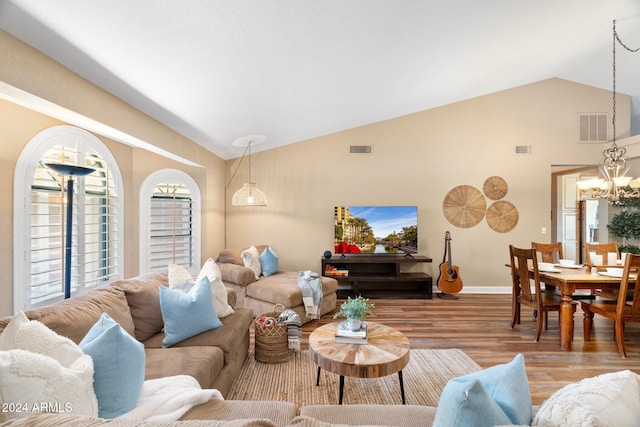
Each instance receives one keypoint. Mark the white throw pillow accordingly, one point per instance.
(218, 291)
(33, 383)
(33, 336)
(180, 278)
(606, 400)
(251, 259)
(43, 371)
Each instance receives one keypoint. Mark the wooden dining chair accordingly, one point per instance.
(621, 312)
(600, 249)
(549, 252)
(552, 252)
(541, 302)
(603, 249)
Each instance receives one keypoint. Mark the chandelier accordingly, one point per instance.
(613, 183)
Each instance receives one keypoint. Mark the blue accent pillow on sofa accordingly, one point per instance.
(466, 402)
(496, 395)
(269, 261)
(118, 365)
(187, 314)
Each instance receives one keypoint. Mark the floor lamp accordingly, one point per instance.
(70, 171)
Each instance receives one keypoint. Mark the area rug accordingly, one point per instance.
(424, 377)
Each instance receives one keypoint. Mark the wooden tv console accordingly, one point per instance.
(378, 276)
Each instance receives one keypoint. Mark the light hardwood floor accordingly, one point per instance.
(480, 326)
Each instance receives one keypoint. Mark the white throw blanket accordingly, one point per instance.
(311, 287)
(167, 399)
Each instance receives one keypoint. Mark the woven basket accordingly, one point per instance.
(272, 342)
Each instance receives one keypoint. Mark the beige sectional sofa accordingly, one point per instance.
(263, 293)
(214, 357)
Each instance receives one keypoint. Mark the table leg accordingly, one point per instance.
(341, 389)
(566, 322)
(401, 386)
(318, 377)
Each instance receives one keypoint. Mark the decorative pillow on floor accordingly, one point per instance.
(118, 361)
(218, 291)
(496, 395)
(606, 400)
(269, 261)
(187, 314)
(43, 368)
(251, 259)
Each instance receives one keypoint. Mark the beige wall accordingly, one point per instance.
(28, 70)
(416, 160)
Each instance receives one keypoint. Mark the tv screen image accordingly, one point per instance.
(376, 230)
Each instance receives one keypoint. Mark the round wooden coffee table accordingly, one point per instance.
(386, 352)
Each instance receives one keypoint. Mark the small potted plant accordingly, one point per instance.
(356, 311)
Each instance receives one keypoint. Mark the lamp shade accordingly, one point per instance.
(249, 195)
(67, 169)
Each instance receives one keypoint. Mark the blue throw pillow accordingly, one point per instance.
(504, 393)
(269, 261)
(187, 314)
(466, 402)
(118, 365)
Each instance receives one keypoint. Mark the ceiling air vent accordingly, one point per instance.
(360, 149)
(522, 149)
(592, 127)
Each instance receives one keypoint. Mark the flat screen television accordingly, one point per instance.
(374, 230)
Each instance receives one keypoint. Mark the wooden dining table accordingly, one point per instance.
(567, 281)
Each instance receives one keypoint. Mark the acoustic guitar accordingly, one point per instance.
(449, 281)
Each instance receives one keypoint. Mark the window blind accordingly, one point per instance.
(95, 223)
(171, 227)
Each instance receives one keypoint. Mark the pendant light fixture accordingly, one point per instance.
(614, 184)
(249, 194)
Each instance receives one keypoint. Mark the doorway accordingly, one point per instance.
(576, 221)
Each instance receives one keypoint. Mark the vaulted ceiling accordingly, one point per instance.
(292, 70)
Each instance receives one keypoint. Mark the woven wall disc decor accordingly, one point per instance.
(495, 188)
(502, 216)
(464, 206)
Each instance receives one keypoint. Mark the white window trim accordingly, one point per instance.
(164, 176)
(26, 165)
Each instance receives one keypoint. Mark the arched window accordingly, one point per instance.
(169, 222)
(39, 215)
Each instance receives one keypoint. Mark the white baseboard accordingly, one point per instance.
(481, 290)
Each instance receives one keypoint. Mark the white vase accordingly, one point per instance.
(354, 324)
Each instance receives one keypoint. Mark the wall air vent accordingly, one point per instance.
(360, 149)
(592, 128)
(522, 149)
